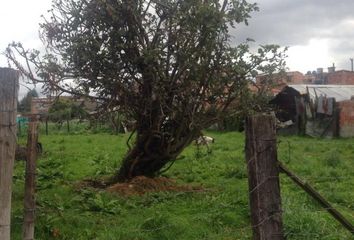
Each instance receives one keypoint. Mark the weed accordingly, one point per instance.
(66, 212)
(237, 172)
(333, 158)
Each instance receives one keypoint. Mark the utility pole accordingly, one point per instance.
(351, 60)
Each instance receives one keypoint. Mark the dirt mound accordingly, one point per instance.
(141, 185)
(93, 183)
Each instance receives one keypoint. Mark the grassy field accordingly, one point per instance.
(66, 211)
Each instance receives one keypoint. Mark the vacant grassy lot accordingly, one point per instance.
(66, 211)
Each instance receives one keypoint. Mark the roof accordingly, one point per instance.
(294, 72)
(339, 92)
(342, 71)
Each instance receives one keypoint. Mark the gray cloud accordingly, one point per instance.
(295, 23)
(284, 22)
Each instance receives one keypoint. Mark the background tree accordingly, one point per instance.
(65, 110)
(60, 111)
(24, 105)
(168, 64)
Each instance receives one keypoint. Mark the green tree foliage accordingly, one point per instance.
(64, 110)
(168, 64)
(24, 106)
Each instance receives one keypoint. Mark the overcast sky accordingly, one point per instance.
(318, 32)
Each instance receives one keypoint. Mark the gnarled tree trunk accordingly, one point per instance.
(152, 151)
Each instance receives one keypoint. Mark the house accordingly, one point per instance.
(331, 76)
(294, 77)
(317, 110)
(341, 77)
(41, 105)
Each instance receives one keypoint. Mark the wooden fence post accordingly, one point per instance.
(19, 128)
(46, 125)
(29, 198)
(8, 104)
(68, 125)
(263, 178)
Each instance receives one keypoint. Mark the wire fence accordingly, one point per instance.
(327, 166)
(8, 101)
(320, 171)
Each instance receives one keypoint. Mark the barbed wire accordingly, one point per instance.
(326, 179)
(285, 210)
(263, 182)
(8, 111)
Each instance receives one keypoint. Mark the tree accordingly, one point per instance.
(65, 110)
(168, 64)
(25, 103)
(60, 111)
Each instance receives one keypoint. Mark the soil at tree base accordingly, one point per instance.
(141, 185)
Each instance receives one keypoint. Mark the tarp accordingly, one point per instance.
(21, 119)
(338, 92)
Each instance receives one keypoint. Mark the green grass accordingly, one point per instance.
(221, 212)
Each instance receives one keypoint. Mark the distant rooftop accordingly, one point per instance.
(339, 92)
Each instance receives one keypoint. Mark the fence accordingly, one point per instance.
(9, 86)
(264, 189)
(264, 147)
(8, 104)
(30, 177)
(263, 178)
(52, 128)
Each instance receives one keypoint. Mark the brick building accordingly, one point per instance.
(342, 77)
(41, 105)
(346, 118)
(331, 77)
(294, 77)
